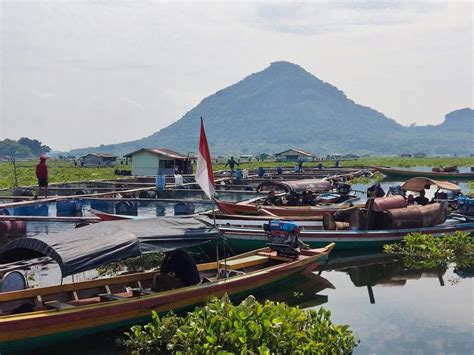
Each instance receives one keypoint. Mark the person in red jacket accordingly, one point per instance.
(42, 175)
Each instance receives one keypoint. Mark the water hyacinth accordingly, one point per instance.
(219, 327)
(426, 251)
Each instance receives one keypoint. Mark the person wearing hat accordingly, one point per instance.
(42, 175)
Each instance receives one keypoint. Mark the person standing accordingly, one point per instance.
(42, 176)
(231, 163)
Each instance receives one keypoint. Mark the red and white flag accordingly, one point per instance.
(204, 174)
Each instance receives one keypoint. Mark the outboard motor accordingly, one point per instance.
(466, 205)
(375, 191)
(283, 238)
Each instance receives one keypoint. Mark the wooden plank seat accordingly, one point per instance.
(58, 305)
(137, 291)
(104, 297)
(241, 263)
(273, 255)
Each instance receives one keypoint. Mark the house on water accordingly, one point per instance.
(294, 155)
(152, 161)
(98, 159)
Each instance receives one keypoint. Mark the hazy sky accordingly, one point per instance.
(81, 73)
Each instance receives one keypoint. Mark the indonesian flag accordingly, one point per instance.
(204, 174)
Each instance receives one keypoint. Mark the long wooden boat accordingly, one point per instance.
(241, 239)
(80, 308)
(407, 174)
(236, 208)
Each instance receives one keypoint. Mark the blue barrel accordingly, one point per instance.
(279, 170)
(183, 208)
(238, 174)
(261, 171)
(128, 208)
(32, 210)
(160, 182)
(69, 208)
(320, 166)
(296, 169)
(103, 206)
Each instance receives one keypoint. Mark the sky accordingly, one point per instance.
(84, 73)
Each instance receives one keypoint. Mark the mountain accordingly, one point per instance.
(285, 106)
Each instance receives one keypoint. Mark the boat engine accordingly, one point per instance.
(466, 205)
(283, 238)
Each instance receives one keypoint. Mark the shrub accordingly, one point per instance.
(219, 327)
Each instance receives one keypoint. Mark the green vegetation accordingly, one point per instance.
(219, 327)
(421, 251)
(59, 171)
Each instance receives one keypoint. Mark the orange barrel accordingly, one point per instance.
(431, 214)
(415, 216)
(405, 218)
(18, 227)
(388, 203)
(328, 222)
(5, 227)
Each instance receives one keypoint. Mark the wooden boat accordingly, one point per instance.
(70, 310)
(104, 216)
(406, 174)
(241, 239)
(241, 208)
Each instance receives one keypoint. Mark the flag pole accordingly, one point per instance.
(205, 179)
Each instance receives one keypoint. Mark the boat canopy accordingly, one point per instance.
(298, 186)
(102, 243)
(420, 183)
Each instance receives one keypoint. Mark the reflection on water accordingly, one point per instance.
(394, 309)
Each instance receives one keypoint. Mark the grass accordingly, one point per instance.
(63, 171)
(59, 171)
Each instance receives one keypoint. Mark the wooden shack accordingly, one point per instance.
(98, 160)
(294, 155)
(152, 161)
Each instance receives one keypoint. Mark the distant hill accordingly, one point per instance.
(285, 106)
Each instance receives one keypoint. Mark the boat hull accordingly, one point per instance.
(403, 174)
(239, 240)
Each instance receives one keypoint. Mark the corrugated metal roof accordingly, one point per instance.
(299, 151)
(162, 152)
(100, 155)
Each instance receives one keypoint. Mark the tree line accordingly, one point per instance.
(22, 148)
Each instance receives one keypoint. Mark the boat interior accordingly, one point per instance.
(137, 285)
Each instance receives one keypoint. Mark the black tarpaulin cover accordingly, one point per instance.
(99, 244)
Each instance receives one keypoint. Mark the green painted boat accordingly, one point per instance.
(403, 174)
